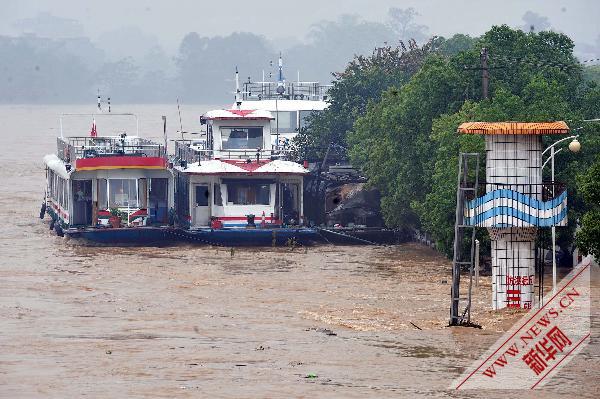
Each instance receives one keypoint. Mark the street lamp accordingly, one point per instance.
(574, 146)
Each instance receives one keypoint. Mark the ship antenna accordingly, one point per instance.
(280, 79)
(99, 105)
(108, 104)
(164, 119)
(180, 123)
(238, 100)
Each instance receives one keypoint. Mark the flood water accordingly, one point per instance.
(192, 321)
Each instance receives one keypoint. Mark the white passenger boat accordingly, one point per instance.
(109, 188)
(238, 188)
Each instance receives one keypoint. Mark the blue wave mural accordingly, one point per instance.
(509, 208)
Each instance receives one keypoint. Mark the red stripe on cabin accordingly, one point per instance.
(124, 162)
(256, 217)
(247, 166)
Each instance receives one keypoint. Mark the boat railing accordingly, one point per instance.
(72, 148)
(292, 91)
(189, 154)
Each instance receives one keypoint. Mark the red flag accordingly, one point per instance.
(93, 132)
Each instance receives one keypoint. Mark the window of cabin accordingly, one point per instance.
(304, 116)
(248, 193)
(241, 138)
(143, 193)
(218, 200)
(65, 196)
(60, 191)
(285, 122)
(102, 194)
(202, 195)
(51, 184)
(123, 193)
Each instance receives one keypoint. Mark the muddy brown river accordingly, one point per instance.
(191, 321)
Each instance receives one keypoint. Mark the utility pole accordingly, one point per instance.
(485, 74)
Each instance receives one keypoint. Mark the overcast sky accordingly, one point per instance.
(171, 20)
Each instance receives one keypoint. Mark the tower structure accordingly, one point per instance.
(515, 204)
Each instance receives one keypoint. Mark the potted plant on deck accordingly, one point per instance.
(115, 217)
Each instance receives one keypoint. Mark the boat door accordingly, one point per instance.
(158, 199)
(201, 205)
(82, 203)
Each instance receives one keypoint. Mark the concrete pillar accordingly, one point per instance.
(513, 162)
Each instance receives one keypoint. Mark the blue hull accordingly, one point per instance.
(129, 236)
(253, 237)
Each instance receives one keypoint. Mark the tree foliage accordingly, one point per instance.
(588, 238)
(406, 143)
(364, 81)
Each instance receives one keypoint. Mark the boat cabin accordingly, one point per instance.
(240, 181)
(290, 102)
(108, 181)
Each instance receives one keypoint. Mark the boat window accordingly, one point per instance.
(143, 193)
(240, 193)
(66, 194)
(51, 184)
(123, 193)
(158, 200)
(60, 191)
(285, 122)
(242, 138)
(202, 195)
(304, 115)
(102, 194)
(217, 195)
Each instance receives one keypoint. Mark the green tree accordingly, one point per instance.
(362, 82)
(407, 143)
(391, 142)
(588, 238)
(592, 73)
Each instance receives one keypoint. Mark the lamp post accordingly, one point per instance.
(574, 146)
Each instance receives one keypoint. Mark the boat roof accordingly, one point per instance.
(284, 105)
(238, 114)
(217, 166)
(54, 163)
(521, 128)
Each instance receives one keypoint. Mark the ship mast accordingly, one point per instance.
(238, 100)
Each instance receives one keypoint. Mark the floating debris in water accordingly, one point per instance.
(325, 331)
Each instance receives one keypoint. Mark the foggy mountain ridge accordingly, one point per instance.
(50, 60)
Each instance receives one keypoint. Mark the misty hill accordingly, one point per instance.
(51, 61)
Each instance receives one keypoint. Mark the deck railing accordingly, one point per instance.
(184, 152)
(71, 148)
(293, 91)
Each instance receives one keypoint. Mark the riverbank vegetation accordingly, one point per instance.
(395, 114)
